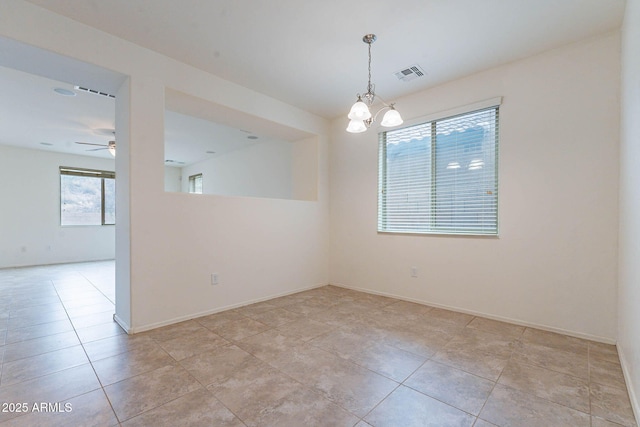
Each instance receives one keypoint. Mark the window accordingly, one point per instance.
(195, 184)
(441, 177)
(87, 197)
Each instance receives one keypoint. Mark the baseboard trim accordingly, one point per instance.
(633, 398)
(184, 318)
(53, 263)
(122, 323)
(485, 315)
(143, 328)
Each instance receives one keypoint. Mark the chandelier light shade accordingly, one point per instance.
(391, 118)
(356, 126)
(360, 114)
(359, 111)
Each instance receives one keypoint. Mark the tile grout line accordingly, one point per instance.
(97, 288)
(511, 359)
(235, 343)
(562, 373)
(39, 376)
(87, 356)
(176, 364)
(311, 389)
(380, 402)
(204, 387)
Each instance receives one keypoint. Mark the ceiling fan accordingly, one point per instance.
(111, 146)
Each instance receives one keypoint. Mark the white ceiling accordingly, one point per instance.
(307, 53)
(310, 53)
(33, 115)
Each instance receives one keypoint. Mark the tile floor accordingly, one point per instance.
(325, 357)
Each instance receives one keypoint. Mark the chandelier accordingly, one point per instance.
(360, 115)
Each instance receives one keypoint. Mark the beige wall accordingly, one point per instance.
(168, 244)
(554, 264)
(629, 249)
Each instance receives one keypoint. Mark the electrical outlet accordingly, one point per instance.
(214, 279)
(414, 271)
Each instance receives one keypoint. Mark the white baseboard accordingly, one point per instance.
(51, 264)
(179, 319)
(122, 323)
(518, 322)
(633, 397)
(485, 315)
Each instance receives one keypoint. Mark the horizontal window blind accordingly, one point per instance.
(441, 176)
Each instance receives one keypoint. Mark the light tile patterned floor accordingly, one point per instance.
(325, 357)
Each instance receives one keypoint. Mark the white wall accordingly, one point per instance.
(273, 169)
(172, 179)
(305, 169)
(554, 264)
(259, 170)
(168, 244)
(30, 230)
(629, 249)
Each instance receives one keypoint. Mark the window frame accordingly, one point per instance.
(431, 228)
(193, 179)
(88, 173)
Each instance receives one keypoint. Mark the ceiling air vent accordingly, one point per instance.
(96, 92)
(410, 73)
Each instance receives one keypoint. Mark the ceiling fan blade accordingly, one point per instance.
(97, 149)
(90, 143)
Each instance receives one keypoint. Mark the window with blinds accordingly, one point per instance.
(441, 177)
(87, 197)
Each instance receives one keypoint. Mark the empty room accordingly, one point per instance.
(288, 213)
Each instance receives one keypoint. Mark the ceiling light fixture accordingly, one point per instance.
(112, 148)
(360, 116)
(64, 92)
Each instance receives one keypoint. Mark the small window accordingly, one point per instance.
(195, 184)
(441, 177)
(87, 197)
